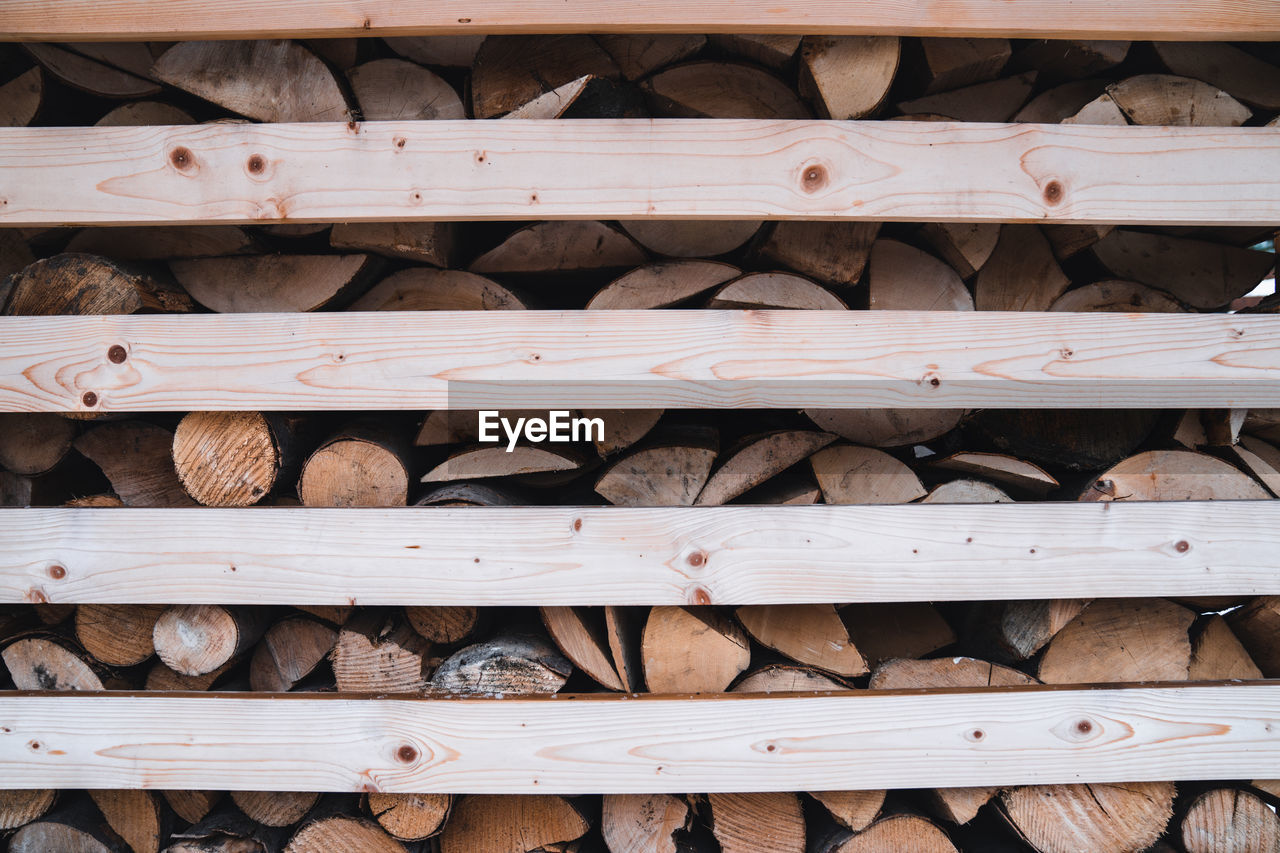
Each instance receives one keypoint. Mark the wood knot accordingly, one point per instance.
(1182, 546)
(117, 354)
(697, 558)
(36, 596)
(577, 524)
(57, 572)
(1053, 192)
(1084, 727)
(89, 399)
(813, 178)
(407, 754)
(257, 164)
(401, 141)
(182, 158)
(976, 735)
(700, 597)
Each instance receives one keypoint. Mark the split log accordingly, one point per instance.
(1102, 110)
(137, 457)
(1071, 58)
(1127, 297)
(1169, 101)
(640, 54)
(363, 465)
(232, 458)
(996, 100)
(1218, 655)
(757, 823)
(448, 51)
(721, 90)
(1060, 103)
(144, 114)
(1119, 640)
(1260, 459)
(136, 57)
(903, 278)
(32, 443)
(664, 474)
(831, 252)
(419, 289)
(192, 806)
(1257, 624)
(692, 650)
(1263, 423)
(118, 634)
(1103, 818)
(966, 492)
(886, 427)
(136, 816)
(74, 828)
(86, 284)
(758, 459)
(20, 98)
(1015, 631)
(560, 246)
(342, 832)
(1021, 274)
(1201, 274)
(883, 632)
(662, 284)
(1173, 475)
(422, 242)
(163, 242)
(582, 639)
(1076, 439)
(811, 634)
(378, 652)
(848, 77)
(496, 461)
(772, 49)
(896, 832)
(161, 678)
(853, 810)
(555, 103)
(511, 824)
(622, 427)
(1268, 786)
(469, 494)
(849, 474)
(197, 639)
(1070, 240)
(43, 662)
(275, 81)
(228, 830)
(99, 501)
(951, 63)
(260, 284)
(698, 238)
(275, 808)
(411, 817)
(396, 90)
(290, 650)
(444, 625)
(643, 823)
(18, 807)
(787, 678)
(1228, 820)
(775, 290)
(88, 75)
(1229, 68)
(510, 71)
(334, 614)
(516, 664)
(966, 246)
(1006, 470)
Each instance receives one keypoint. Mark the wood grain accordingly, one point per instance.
(571, 745)
(90, 20)
(639, 169)
(638, 359)
(623, 556)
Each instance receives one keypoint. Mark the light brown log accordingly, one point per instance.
(231, 458)
(334, 614)
(775, 290)
(137, 458)
(393, 89)
(1257, 624)
(1268, 786)
(424, 242)
(1060, 103)
(268, 283)
(33, 443)
(288, 652)
(161, 678)
(640, 54)
(445, 625)
(1119, 640)
(787, 678)
(20, 98)
(896, 832)
(1173, 475)
(721, 90)
(1260, 459)
(1228, 820)
(420, 289)
(196, 639)
(1071, 58)
(886, 631)
(560, 246)
(118, 634)
(411, 817)
(87, 284)
(88, 75)
(623, 627)
(74, 828)
(704, 238)
(1229, 68)
(192, 806)
(163, 242)
(886, 427)
(454, 51)
(903, 278)
(364, 465)
(44, 663)
(1021, 274)
(848, 77)
(276, 81)
(833, 252)
(662, 284)
(1124, 296)
(756, 460)
(275, 808)
(1169, 101)
(811, 634)
(966, 492)
(757, 823)
(950, 63)
(772, 49)
(1102, 110)
(143, 114)
(643, 823)
(1199, 273)
(692, 650)
(1070, 240)
(582, 639)
(1217, 655)
(1067, 818)
(849, 474)
(379, 653)
(993, 101)
(510, 71)
(135, 816)
(517, 664)
(1007, 470)
(854, 810)
(496, 461)
(342, 832)
(1016, 630)
(966, 246)
(513, 824)
(671, 472)
(20, 807)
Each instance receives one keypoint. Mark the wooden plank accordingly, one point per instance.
(82, 20)
(634, 169)
(637, 359)
(862, 739)
(640, 556)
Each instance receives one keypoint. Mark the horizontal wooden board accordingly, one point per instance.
(80, 20)
(863, 739)
(638, 359)
(639, 169)
(616, 555)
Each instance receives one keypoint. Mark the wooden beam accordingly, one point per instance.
(637, 359)
(572, 745)
(633, 556)
(633, 169)
(81, 20)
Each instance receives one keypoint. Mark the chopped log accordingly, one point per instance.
(896, 832)
(395, 90)
(275, 81)
(468, 494)
(88, 75)
(275, 808)
(849, 474)
(853, 810)
(758, 459)
(886, 427)
(118, 634)
(903, 278)
(136, 57)
(1060, 102)
(497, 461)
(334, 614)
(192, 806)
(1268, 786)
(143, 114)
(1201, 274)
(622, 627)
(1102, 110)
(1070, 438)
(1169, 101)
(950, 63)
(137, 457)
(43, 662)
(1260, 459)
(342, 832)
(448, 51)
(848, 77)
(883, 632)
(424, 242)
(811, 634)
(510, 71)
(161, 678)
(445, 625)
(18, 807)
(1190, 430)
(1229, 68)
(639, 54)
(698, 238)
(775, 290)
(692, 650)
(1015, 631)
(1021, 274)
(363, 465)
(511, 824)
(582, 639)
(966, 246)
(1263, 423)
(33, 443)
(790, 488)
(1070, 818)
(1229, 820)
(136, 816)
(1006, 470)
(100, 501)
(1222, 426)
(260, 284)
(787, 678)
(772, 49)
(1118, 640)
(517, 664)
(1070, 240)
(165, 242)
(1127, 297)
(831, 252)
(232, 458)
(290, 650)
(622, 427)
(341, 53)
(377, 652)
(1257, 624)
(1217, 654)
(74, 828)
(1071, 58)
(662, 284)
(665, 474)
(421, 289)
(966, 492)
(411, 817)
(555, 103)
(643, 823)
(996, 100)
(20, 98)
(561, 246)
(721, 90)
(228, 830)
(1173, 475)
(86, 284)
(757, 823)
(197, 639)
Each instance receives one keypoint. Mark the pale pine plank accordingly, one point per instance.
(638, 359)
(639, 169)
(638, 556)
(862, 739)
(81, 20)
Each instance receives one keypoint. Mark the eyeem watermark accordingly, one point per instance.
(558, 427)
